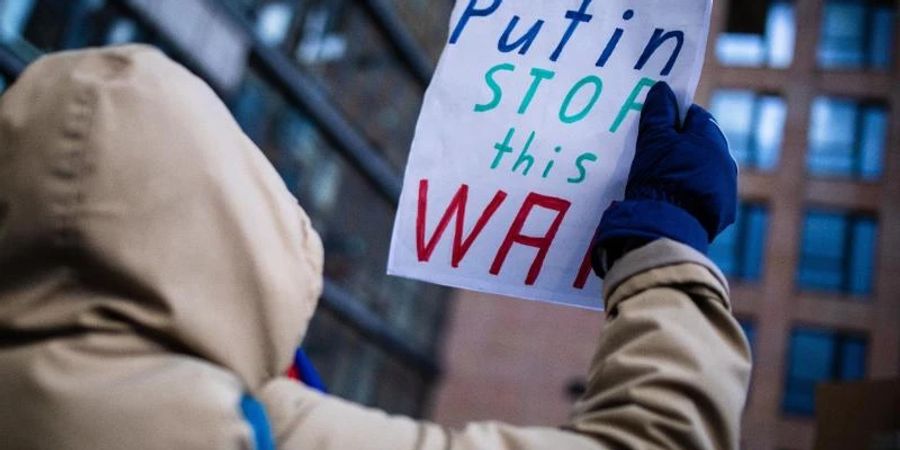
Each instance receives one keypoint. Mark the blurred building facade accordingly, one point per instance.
(806, 90)
(809, 92)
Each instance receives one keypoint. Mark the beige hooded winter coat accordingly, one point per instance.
(154, 268)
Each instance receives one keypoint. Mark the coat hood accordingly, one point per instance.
(132, 204)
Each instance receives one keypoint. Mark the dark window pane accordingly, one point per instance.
(755, 226)
(754, 124)
(733, 110)
(847, 139)
(739, 250)
(337, 43)
(837, 254)
(872, 142)
(856, 34)
(862, 257)
(760, 33)
(882, 43)
(366, 79)
(14, 16)
(811, 361)
(843, 34)
(770, 131)
(818, 356)
(832, 136)
(853, 359)
(65, 24)
(274, 21)
(14, 19)
(822, 260)
(38, 26)
(122, 31)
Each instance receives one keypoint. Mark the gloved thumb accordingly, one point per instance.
(700, 122)
(660, 111)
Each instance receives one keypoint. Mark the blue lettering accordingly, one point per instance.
(524, 42)
(577, 17)
(614, 41)
(658, 39)
(582, 171)
(472, 11)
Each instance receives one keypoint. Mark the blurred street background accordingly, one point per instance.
(808, 92)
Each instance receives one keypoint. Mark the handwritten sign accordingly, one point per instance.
(527, 134)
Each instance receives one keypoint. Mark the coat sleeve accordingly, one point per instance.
(671, 372)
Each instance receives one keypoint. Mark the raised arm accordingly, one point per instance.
(672, 368)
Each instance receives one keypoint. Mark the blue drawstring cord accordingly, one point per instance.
(307, 372)
(255, 414)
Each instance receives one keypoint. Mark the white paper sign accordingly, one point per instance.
(527, 134)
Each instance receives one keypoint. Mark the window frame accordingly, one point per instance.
(867, 63)
(839, 339)
(754, 161)
(851, 218)
(861, 107)
(743, 228)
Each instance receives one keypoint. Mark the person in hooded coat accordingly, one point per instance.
(156, 276)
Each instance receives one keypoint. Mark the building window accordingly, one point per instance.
(122, 31)
(838, 253)
(857, 34)
(325, 38)
(819, 356)
(758, 34)
(341, 47)
(14, 17)
(847, 138)
(32, 27)
(754, 124)
(274, 21)
(739, 251)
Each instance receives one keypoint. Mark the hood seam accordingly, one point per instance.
(72, 165)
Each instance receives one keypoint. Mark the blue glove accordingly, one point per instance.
(682, 186)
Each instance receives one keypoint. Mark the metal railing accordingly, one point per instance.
(401, 41)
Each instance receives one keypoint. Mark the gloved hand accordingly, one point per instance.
(682, 186)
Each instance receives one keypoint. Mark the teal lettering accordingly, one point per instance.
(598, 89)
(579, 164)
(539, 76)
(550, 164)
(525, 158)
(504, 148)
(495, 88)
(631, 104)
